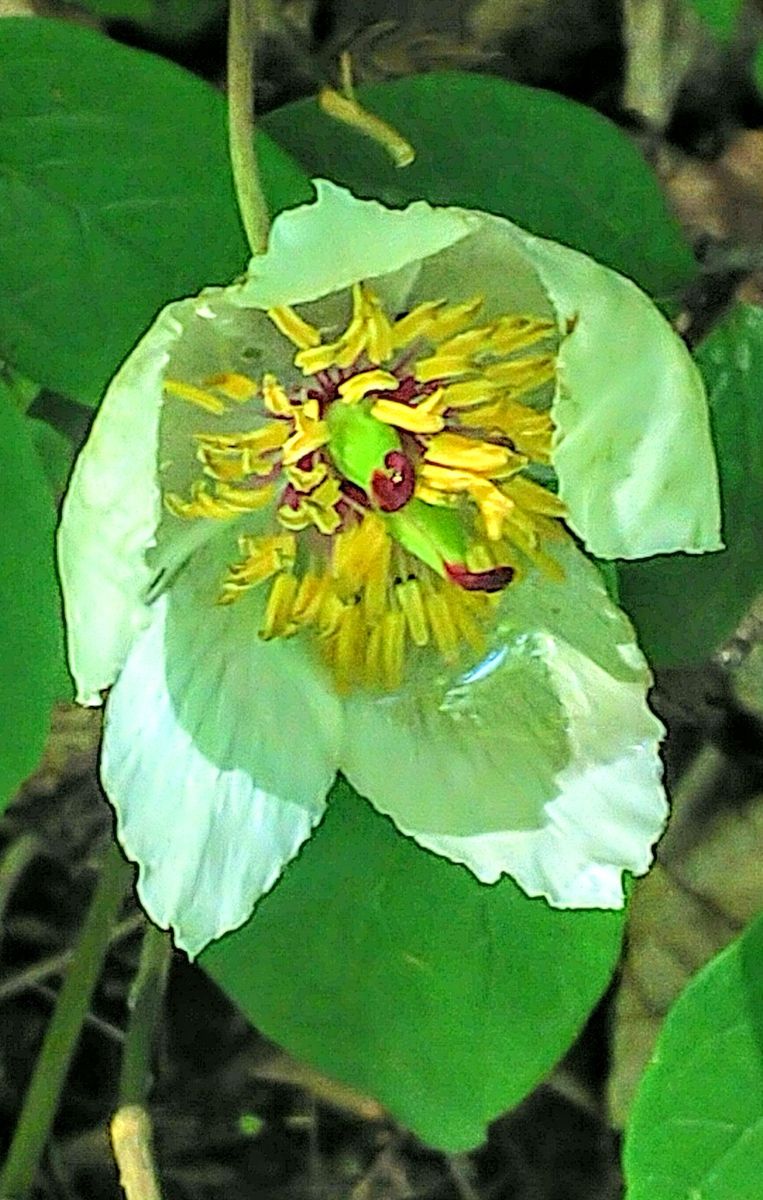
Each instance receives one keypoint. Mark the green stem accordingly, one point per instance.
(49, 1075)
(146, 999)
(246, 176)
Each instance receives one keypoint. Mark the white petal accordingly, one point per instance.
(139, 448)
(323, 247)
(218, 752)
(634, 453)
(540, 763)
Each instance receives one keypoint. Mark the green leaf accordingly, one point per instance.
(553, 166)
(757, 68)
(400, 974)
(720, 16)
(127, 10)
(30, 630)
(171, 19)
(55, 451)
(696, 1130)
(115, 197)
(684, 606)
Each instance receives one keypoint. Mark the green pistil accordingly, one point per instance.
(358, 443)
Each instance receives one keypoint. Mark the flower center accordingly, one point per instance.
(393, 484)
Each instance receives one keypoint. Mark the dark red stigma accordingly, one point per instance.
(494, 580)
(391, 491)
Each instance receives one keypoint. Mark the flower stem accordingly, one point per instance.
(146, 999)
(131, 1129)
(49, 1075)
(246, 176)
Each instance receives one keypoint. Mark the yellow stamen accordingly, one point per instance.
(194, 395)
(517, 333)
(310, 433)
(226, 502)
(306, 480)
(530, 431)
(415, 323)
(312, 591)
(234, 456)
(468, 454)
(392, 649)
(464, 395)
(420, 418)
(379, 329)
(278, 612)
(358, 386)
(264, 558)
(409, 597)
(318, 509)
(522, 374)
(233, 386)
(294, 327)
(441, 622)
(453, 319)
(348, 649)
(537, 499)
(275, 397)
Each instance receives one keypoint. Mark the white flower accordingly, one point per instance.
(302, 540)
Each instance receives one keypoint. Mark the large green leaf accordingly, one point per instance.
(682, 605)
(30, 626)
(399, 973)
(696, 1131)
(115, 197)
(553, 166)
(721, 16)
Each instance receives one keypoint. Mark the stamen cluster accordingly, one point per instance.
(393, 483)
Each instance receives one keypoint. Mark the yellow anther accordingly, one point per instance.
(312, 590)
(329, 615)
(318, 509)
(467, 343)
(310, 433)
(441, 622)
(358, 386)
(530, 431)
(347, 650)
(517, 333)
(377, 580)
(410, 598)
(494, 507)
(263, 558)
(379, 329)
(522, 374)
(530, 495)
(194, 395)
(464, 395)
(461, 609)
(467, 454)
(278, 621)
(225, 502)
(233, 386)
(420, 418)
(392, 649)
(442, 366)
(275, 397)
(234, 456)
(305, 480)
(453, 319)
(431, 495)
(292, 326)
(416, 323)
(355, 551)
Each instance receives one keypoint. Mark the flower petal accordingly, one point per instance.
(338, 240)
(634, 454)
(541, 762)
(218, 752)
(114, 546)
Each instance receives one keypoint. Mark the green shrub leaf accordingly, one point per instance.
(400, 974)
(115, 197)
(682, 605)
(30, 630)
(696, 1130)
